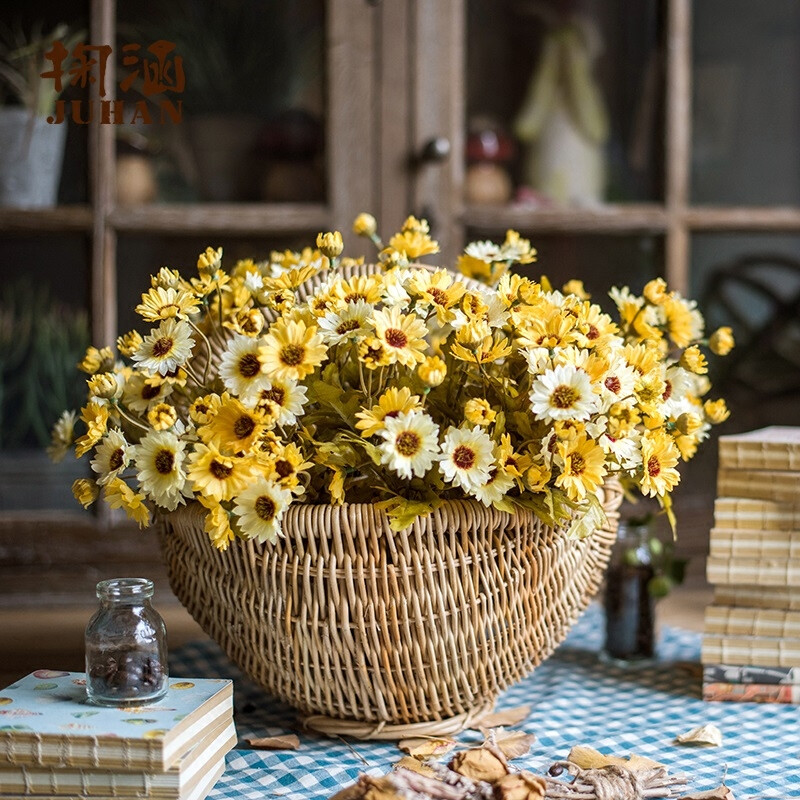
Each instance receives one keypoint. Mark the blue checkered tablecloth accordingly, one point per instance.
(575, 699)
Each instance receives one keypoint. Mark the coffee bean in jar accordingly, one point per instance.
(126, 645)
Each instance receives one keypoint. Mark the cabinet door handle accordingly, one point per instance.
(434, 151)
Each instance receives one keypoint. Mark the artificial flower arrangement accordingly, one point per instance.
(285, 382)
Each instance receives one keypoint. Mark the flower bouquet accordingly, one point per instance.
(433, 409)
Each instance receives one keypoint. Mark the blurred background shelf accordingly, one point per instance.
(54, 220)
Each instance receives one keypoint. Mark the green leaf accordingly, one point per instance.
(586, 523)
(500, 424)
(403, 512)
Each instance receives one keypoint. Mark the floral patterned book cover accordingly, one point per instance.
(45, 718)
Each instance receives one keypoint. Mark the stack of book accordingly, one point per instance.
(751, 643)
(54, 744)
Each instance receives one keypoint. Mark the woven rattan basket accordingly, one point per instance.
(381, 635)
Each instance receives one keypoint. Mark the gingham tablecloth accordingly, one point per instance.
(575, 699)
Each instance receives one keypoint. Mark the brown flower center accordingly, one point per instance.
(150, 391)
(284, 468)
(667, 391)
(117, 457)
(593, 333)
(395, 338)
(577, 463)
(292, 354)
(613, 384)
(265, 508)
(219, 470)
(162, 346)
(243, 427)
(347, 326)
(653, 466)
(164, 461)
(354, 297)
(275, 394)
(407, 443)
(439, 296)
(464, 457)
(564, 396)
(249, 365)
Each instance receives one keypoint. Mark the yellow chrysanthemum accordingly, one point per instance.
(432, 371)
(694, 361)
(437, 290)
(119, 495)
(209, 260)
(576, 287)
(248, 322)
(403, 335)
(97, 360)
(716, 411)
(583, 466)
(488, 351)
(374, 353)
(95, 417)
(365, 225)
(513, 463)
(660, 455)
(655, 291)
(291, 350)
(233, 428)
(218, 476)
(218, 525)
(104, 385)
(162, 416)
(479, 412)
(537, 476)
(203, 409)
(159, 303)
(721, 341)
(62, 436)
(368, 288)
(330, 244)
(85, 491)
(129, 343)
(413, 243)
(391, 403)
(284, 466)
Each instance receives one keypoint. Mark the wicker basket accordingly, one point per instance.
(381, 635)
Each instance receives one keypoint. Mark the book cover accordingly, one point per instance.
(739, 512)
(736, 621)
(780, 597)
(753, 571)
(776, 448)
(46, 719)
(782, 487)
(750, 693)
(729, 673)
(750, 650)
(751, 543)
(168, 785)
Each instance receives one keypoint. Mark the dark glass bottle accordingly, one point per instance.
(630, 608)
(126, 645)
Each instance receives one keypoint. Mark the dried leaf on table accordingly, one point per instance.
(589, 758)
(507, 717)
(423, 748)
(288, 741)
(520, 786)
(512, 744)
(720, 793)
(415, 765)
(709, 735)
(485, 763)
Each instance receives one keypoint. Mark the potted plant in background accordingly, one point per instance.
(31, 149)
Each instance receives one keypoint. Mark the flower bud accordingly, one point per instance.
(432, 371)
(209, 261)
(365, 225)
(688, 423)
(721, 341)
(716, 411)
(330, 244)
(104, 385)
(693, 360)
(577, 288)
(97, 360)
(162, 416)
(85, 491)
(655, 291)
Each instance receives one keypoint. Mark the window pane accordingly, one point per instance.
(44, 332)
(746, 111)
(251, 87)
(568, 134)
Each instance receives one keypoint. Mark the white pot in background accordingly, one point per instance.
(31, 155)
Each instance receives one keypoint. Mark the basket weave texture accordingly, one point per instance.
(382, 635)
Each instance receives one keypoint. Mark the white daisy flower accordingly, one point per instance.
(538, 359)
(112, 456)
(626, 451)
(394, 282)
(467, 457)
(484, 251)
(624, 296)
(260, 508)
(253, 282)
(350, 321)
(241, 368)
(411, 443)
(139, 393)
(563, 393)
(166, 348)
(495, 488)
(288, 396)
(617, 385)
(159, 459)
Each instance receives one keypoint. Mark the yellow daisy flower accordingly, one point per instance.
(285, 464)
(576, 288)
(403, 335)
(95, 417)
(368, 288)
(432, 371)
(716, 411)
(678, 320)
(97, 360)
(159, 459)
(437, 290)
(241, 368)
(537, 476)
(655, 291)
(85, 491)
(218, 525)
(111, 457)
(216, 475)
(365, 225)
(233, 428)
(291, 350)
(694, 361)
(583, 466)
(330, 244)
(162, 416)
(209, 260)
(166, 348)
(141, 392)
(61, 437)
(721, 341)
(391, 403)
(159, 303)
(129, 343)
(374, 353)
(659, 458)
(488, 351)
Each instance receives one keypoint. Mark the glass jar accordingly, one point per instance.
(629, 605)
(126, 645)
